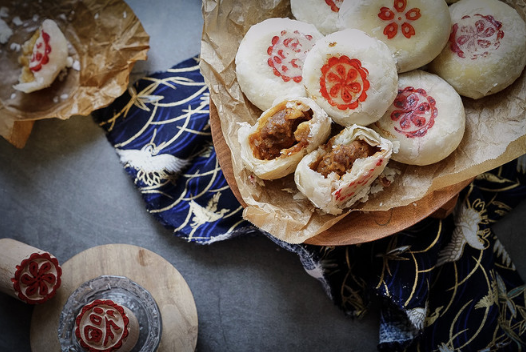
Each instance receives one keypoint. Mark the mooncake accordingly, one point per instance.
(415, 31)
(427, 118)
(282, 135)
(486, 51)
(323, 14)
(270, 57)
(352, 76)
(340, 173)
(44, 56)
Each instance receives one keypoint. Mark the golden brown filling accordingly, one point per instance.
(24, 59)
(280, 132)
(341, 158)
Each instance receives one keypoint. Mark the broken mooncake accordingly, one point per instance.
(340, 173)
(282, 135)
(44, 56)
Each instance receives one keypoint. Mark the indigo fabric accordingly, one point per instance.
(444, 284)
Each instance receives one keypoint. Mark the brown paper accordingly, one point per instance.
(106, 39)
(495, 132)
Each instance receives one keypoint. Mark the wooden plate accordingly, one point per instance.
(149, 270)
(357, 227)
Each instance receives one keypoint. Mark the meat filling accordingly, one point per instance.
(341, 158)
(281, 133)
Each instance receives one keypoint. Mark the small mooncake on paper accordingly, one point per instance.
(415, 31)
(486, 51)
(44, 56)
(341, 172)
(282, 136)
(270, 57)
(427, 118)
(323, 14)
(352, 76)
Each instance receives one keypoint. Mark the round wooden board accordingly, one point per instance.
(357, 227)
(149, 270)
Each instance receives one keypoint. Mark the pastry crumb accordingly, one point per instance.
(76, 65)
(4, 11)
(17, 21)
(5, 32)
(14, 47)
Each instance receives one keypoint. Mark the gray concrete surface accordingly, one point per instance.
(66, 191)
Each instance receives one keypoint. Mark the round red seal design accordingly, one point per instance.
(475, 36)
(343, 82)
(414, 113)
(101, 326)
(41, 52)
(37, 278)
(334, 4)
(399, 17)
(287, 53)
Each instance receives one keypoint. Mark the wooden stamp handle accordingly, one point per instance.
(28, 273)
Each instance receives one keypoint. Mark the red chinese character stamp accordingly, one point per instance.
(415, 112)
(287, 53)
(343, 82)
(37, 278)
(102, 326)
(474, 37)
(398, 17)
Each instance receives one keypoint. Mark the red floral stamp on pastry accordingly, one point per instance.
(334, 4)
(474, 37)
(399, 17)
(343, 82)
(102, 325)
(415, 112)
(40, 53)
(287, 53)
(37, 278)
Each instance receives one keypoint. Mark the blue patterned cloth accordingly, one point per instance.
(445, 285)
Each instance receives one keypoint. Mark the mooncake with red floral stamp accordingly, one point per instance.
(44, 55)
(270, 57)
(486, 51)
(415, 31)
(323, 14)
(340, 173)
(427, 118)
(352, 76)
(282, 136)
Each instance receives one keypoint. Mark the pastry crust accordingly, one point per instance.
(415, 31)
(352, 76)
(44, 56)
(270, 57)
(309, 134)
(334, 193)
(486, 51)
(427, 118)
(323, 14)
